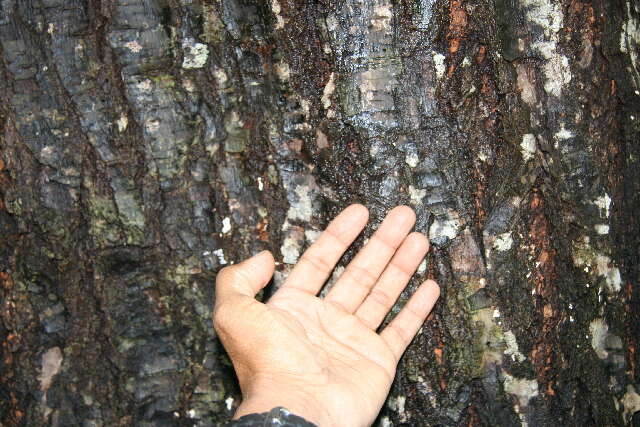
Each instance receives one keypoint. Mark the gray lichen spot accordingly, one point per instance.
(131, 215)
(369, 65)
(212, 26)
(104, 220)
(599, 331)
(237, 134)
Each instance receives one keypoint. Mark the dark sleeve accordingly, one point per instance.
(278, 416)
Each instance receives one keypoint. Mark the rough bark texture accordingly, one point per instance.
(145, 143)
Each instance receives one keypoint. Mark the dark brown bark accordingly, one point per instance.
(146, 143)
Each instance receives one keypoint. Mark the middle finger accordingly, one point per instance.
(362, 273)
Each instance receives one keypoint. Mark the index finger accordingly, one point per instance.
(316, 263)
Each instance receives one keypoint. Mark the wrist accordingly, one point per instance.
(297, 401)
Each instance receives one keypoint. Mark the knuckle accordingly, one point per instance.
(222, 317)
(400, 334)
(381, 297)
(224, 273)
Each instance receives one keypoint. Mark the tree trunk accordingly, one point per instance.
(146, 143)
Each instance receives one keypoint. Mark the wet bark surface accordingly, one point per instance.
(144, 144)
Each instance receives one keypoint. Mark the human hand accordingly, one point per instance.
(322, 359)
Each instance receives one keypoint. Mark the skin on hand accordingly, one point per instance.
(323, 359)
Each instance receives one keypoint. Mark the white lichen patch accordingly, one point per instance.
(376, 87)
(195, 54)
(422, 267)
(599, 331)
(400, 402)
(381, 19)
(152, 125)
(133, 46)
(229, 403)
(522, 388)
(528, 146)
(445, 227)
(47, 154)
(220, 254)
(283, 71)
(51, 363)
(291, 246)
(503, 242)
(630, 40)
(416, 195)
(122, 123)
(512, 347)
(606, 269)
(79, 49)
(412, 159)
(276, 9)
(563, 133)
(321, 140)
(305, 105)
(144, 85)
(220, 76)
(631, 403)
(301, 209)
(188, 85)
(604, 203)
(312, 235)
(557, 73)
(601, 228)
(438, 61)
(548, 15)
(226, 225)
(483, 155)
(587, 258)
(329, 88)
(545, 13)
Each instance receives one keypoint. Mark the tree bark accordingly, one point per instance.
(146, 143)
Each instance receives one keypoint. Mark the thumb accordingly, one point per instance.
(245, 278)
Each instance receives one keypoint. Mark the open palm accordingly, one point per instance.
(322, 358)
